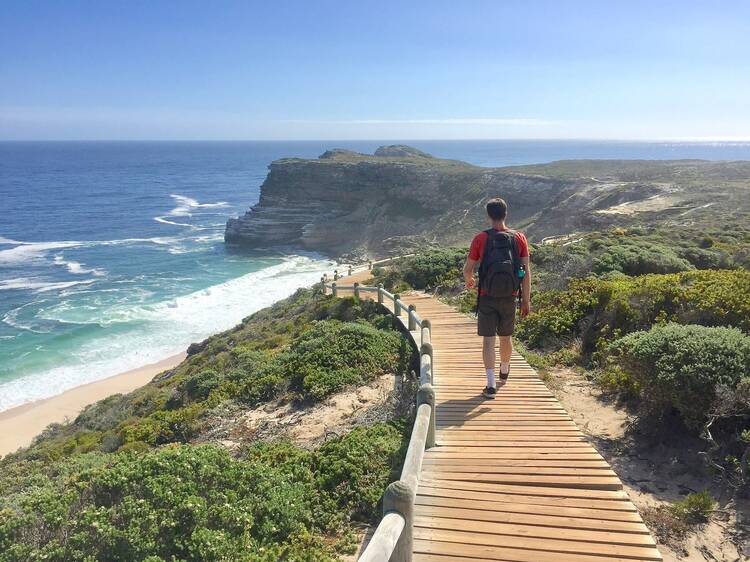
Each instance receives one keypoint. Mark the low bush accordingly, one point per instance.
(197, 503)
(642, 250)
(426, 270)
(601, 310)
(429, 268)
(695, 508)
(356, 469)
(640, 259)
(681, 367)
(333, 354)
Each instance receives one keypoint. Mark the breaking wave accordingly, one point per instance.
(133, 335)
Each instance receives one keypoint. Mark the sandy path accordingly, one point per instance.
(19, 425)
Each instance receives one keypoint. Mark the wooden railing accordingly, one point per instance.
(393, 537)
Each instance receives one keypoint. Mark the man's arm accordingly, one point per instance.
(469, 268)
(526, 288)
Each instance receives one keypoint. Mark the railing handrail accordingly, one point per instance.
(385, 538)
(393, 537)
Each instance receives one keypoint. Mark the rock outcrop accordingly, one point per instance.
(374, 205)
(400, 198)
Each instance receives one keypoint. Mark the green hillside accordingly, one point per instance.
(139, 476)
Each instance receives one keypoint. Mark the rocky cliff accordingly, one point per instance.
(400, 198)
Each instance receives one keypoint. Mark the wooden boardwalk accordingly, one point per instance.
(511, 479)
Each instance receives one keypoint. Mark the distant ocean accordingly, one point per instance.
(112, 254)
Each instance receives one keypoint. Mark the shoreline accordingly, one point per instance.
(20, 424)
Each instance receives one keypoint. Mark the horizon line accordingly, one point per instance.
(405, 140)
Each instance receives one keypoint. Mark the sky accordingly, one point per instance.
(356, 69)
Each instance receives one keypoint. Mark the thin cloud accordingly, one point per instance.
(449, 121)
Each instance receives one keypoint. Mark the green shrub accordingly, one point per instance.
(642, 250)
(165, 426)
(694, 508)
(200, 385)
(197, 503)
(640, 259)
(428, 268)
(681, 367)
(333, 354)
(356, 468)
(106, 413)
(600, 310)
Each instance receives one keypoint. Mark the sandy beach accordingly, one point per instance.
(19, 426)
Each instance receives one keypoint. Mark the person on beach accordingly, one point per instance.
(504, 276)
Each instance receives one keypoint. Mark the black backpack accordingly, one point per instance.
(498, 270)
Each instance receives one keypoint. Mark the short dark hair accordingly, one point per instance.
(497, 209)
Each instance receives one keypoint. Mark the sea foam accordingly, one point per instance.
(163, 329)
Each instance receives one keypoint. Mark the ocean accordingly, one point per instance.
(112, 253)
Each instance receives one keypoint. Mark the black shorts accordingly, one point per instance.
(496, 316)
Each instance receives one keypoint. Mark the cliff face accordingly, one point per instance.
(400, 199)
(345, 202)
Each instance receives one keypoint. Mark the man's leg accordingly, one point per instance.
(506, 349)
(487, 321)
(488, 352)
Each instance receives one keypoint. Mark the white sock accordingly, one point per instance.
(491, 378)
(505, 368)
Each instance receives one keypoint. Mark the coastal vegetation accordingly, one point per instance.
(138, 477)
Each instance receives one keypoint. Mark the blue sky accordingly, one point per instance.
(374, 70)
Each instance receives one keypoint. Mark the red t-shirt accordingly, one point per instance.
(476, 250)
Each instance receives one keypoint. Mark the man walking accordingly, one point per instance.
(504, 276)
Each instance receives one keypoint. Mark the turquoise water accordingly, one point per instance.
(112, 254)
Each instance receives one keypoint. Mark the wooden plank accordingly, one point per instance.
(438, 469)
(563, 440)
(476, 463)
(555, 502)
(553, 521)
(556, 480)
(485, 453)
(549, 491)
(428, 531)
(507, 505)
(439, 551)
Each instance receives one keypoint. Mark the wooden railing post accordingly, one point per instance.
(426, 332)
(412, 318)
(427, 367)
(356, 290)
(380, 293)
(399, 497)
(396, 306)
(334, 291)
(426, 395)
